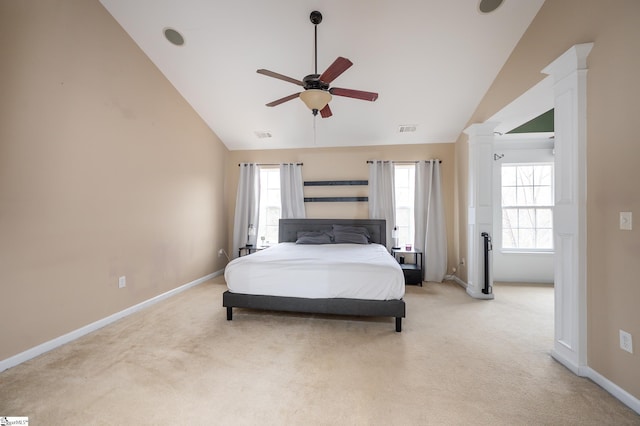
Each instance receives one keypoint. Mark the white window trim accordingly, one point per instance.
(530, 151)
(261, 224)
(412, 225)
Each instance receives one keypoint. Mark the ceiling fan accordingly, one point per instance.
(317, 92)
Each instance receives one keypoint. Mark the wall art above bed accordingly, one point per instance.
(335, 183)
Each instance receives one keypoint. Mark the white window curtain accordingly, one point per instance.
(382, 200)
(247, 204)
(431, 231)
(291, 191)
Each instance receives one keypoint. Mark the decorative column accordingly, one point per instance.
(480, 213)
(569, 73)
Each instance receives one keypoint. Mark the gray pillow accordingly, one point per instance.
(351, 234)
(314, 237)
(342, 237)
(349, 228)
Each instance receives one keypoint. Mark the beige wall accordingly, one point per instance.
(104, 171)
(347, 164)
(613, 151)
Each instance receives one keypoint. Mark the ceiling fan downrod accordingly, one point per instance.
(316, 92)
(316, 18)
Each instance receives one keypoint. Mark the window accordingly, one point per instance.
(527, 206)
(270, 206)
(405, 192)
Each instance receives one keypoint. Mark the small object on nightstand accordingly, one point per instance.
(251, 232)
(394, 237)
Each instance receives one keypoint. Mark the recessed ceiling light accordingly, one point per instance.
(173, 36)
(488, 6)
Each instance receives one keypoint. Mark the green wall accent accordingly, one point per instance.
(542, 123)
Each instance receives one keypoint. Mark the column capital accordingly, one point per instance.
(480, 129)
(572, 60)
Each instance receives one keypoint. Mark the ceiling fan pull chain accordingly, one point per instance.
(315, 142)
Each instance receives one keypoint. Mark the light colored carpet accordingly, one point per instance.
(458, 361)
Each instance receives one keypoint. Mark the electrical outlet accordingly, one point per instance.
(626, 221)
(626, 341)
(122, 282)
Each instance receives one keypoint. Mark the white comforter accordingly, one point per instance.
(351, 271)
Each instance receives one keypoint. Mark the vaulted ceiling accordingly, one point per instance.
(430, 61)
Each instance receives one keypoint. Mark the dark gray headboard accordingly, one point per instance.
(289, 228)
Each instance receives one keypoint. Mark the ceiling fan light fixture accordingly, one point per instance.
(315, 99)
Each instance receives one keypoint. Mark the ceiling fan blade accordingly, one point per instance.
(338, 66)
(356, 94)
(283, 100)
(326, 112)
(280, 77)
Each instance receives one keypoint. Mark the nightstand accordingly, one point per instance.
(411, 262)
(243, 251)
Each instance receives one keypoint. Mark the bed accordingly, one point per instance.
(340, 279)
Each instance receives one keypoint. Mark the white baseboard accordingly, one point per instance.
(570, 365)
(479, 295)
(456, 280)
(625, 397)
(73, 335)
(584, 371)
(470, 291)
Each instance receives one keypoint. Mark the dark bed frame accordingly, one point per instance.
(289, 229)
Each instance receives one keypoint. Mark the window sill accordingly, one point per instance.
(527, 252)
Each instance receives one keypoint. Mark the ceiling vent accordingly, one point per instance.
(262, 134)
(407, 128)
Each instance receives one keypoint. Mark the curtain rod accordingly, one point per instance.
(404, 162)
(272, 164)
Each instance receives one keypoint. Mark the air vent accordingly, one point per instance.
(261, 134)
(407, 128)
